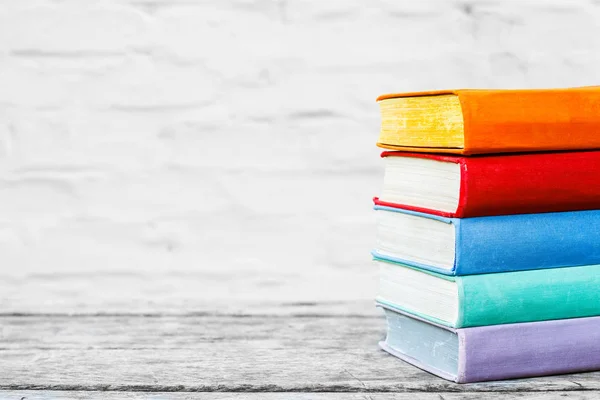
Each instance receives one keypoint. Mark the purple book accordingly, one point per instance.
(486, 353)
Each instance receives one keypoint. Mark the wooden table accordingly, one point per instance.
(110, 335)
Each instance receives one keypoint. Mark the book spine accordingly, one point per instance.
(529, 349)
(461, 311)
(529, 183)
(458, 268)
(527, 241)
(527, 296)
(463, 196)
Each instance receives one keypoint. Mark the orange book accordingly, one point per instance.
(471, 121)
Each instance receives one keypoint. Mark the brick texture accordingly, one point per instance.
(237, 136)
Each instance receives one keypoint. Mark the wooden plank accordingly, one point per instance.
(222, 354)
(79, 395)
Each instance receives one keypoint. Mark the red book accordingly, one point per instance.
(458, 186)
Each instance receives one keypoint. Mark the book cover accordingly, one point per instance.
(495, 352)
(472, 121)
(502, 298)
(519, 183)
(485, 245)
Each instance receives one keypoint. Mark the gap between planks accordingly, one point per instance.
(90, 395)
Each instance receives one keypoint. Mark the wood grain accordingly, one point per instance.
(80, 395)
(222, 354)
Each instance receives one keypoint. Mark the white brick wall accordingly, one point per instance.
(236, 136)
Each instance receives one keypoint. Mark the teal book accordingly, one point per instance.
(491, 299)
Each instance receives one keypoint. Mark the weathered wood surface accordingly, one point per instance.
(73, 395)
(171, 334)
(204, 353)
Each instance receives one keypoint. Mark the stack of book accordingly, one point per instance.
(488, 231)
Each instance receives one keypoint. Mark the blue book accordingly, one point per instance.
(483, 245)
